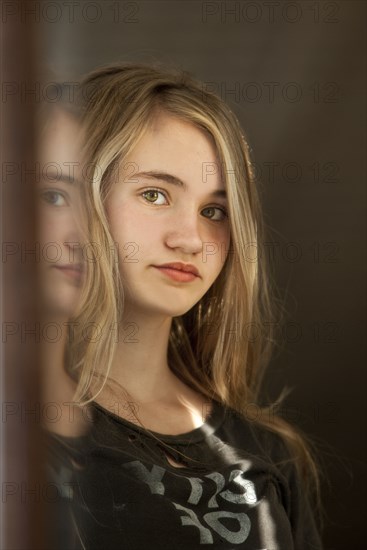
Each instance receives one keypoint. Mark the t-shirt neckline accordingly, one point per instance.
(211, 424)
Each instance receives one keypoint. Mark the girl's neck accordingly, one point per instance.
(140, 360)
(58, 388)
(142, 388)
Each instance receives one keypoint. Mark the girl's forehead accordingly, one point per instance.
(174, 141)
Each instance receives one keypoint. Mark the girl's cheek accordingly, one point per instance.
(48, 225)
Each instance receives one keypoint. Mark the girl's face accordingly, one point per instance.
(60, 215)
(168, 205)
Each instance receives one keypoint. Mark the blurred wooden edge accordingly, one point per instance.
(23, 502)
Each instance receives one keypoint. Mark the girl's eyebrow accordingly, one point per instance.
(63, 177)
(174, 180)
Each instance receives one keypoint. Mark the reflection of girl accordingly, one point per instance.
(62, 265)
(173, 459)
(59, 214)
(61, 275)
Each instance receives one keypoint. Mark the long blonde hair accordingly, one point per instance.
(223, 344)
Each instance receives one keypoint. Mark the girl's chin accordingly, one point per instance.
(155, 310)
(59, 302)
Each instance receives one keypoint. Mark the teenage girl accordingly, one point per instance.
(170, 373)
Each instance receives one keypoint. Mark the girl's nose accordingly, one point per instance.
(183, 232)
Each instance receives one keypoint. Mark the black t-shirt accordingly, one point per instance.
(238, 488)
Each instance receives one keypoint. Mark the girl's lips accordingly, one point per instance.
(177, 274)
(73, 271)
(188, 268)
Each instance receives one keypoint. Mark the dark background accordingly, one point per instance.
(294, 73)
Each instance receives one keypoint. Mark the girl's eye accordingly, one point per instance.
(152, 195)
(54, 198)
(214, 213)
(157, 197)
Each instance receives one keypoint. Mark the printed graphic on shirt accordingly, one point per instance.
(233, 527)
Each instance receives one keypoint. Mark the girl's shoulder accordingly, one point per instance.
(258, 435)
